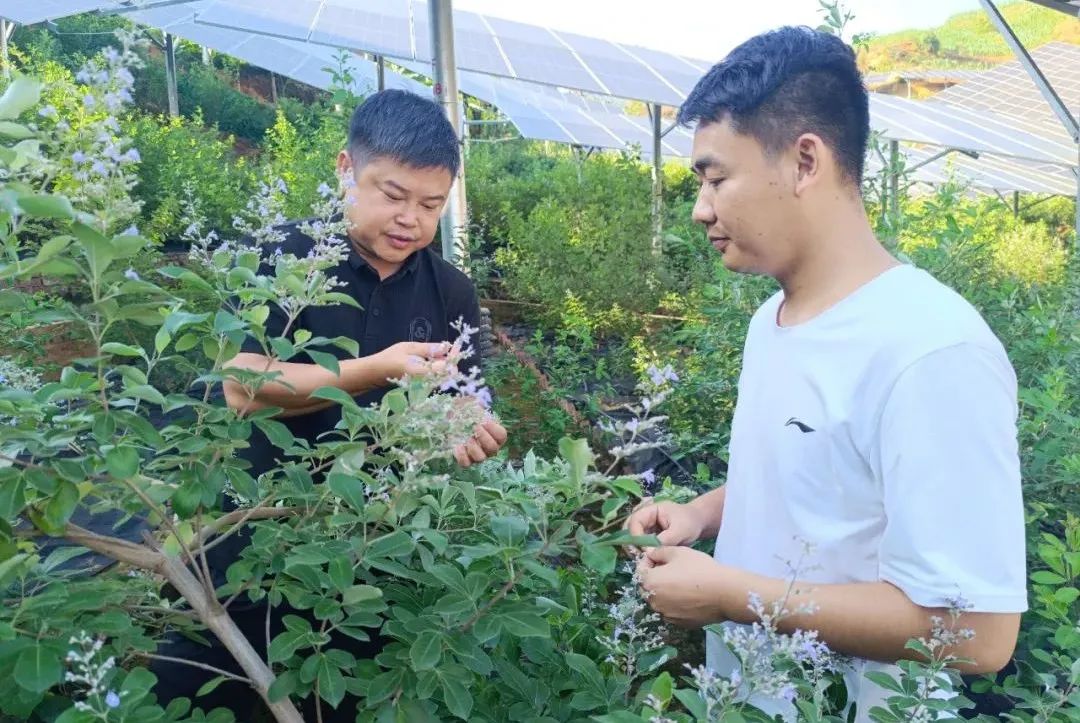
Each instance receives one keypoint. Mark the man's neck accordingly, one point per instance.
(382, 267)
(840, 263)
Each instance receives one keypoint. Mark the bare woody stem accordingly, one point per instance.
(211, 614)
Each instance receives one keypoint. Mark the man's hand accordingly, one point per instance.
(488, 438)
(683, 585)
(413, 358)
(672, 523)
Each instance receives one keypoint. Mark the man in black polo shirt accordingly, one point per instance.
(397, 170)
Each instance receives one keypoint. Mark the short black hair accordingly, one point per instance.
(405, 127)
(786, 82)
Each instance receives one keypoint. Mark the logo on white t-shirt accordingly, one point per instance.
(803, 426)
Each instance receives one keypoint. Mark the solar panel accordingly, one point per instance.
(28, 12)
(1008, 90)
(953, 127)
(620, 72)
(303, 62)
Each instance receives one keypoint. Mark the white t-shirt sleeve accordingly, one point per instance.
(950, 468)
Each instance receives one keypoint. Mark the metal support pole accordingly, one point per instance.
(1016, 204)
(894, 185)
(273, 88)
(655, 111)
(380, 72)
(4, 48)
(452, 226)
(170, 76)
(205, 55)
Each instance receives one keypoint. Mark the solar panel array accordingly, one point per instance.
(543, 111)
(28, 12)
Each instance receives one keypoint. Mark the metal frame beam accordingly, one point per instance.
(1060, 6)
(452, 226)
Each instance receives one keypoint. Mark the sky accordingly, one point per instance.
(707, 29)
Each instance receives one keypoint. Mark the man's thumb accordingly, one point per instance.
(658, 555)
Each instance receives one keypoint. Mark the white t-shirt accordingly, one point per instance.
(883, 433)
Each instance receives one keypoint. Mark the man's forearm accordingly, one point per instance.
(711, 506)
(291, 390)
(872, 620)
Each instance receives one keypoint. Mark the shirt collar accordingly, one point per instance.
(359, 263)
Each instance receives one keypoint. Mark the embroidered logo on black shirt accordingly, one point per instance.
(420, 329)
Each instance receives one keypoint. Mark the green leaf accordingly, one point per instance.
(186, 499)
(586, 668)
(23, 93)
(341, 572)
(333, 394)
(347, 488)
(283, 686)
(357, 594)
(97, 249)
(119, 349)
(663, 687)
(46, 206)
(578, 454)
(1067, 595)
(619, 716)
(1045, 577)
(326, 361)
(38, 668)
(693, 702)
(331, 682)
(601, 558)
(59, 509)
(885, 680)
(225, 322)
(525, 625)
(278, 434)
(509, 531)
(122, 462)
(459, 700)
(395, 544)
(210, 685)
(284, 645)
(396, 401)
(17, 131)
(426, 650)
(12, 498)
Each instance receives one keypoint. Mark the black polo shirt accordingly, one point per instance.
(419, 302)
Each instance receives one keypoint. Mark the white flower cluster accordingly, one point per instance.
(91, 674)
(635, 630)
(439, 423)
(103, 161)
(654, 389)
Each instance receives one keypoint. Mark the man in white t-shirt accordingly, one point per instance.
(876, 412)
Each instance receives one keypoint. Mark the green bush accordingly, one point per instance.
(201, 88)
(180, 154)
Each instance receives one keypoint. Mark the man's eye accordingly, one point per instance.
(715, 182)
(393, 198)
(430, 207)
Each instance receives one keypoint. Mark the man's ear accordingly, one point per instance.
(344, 168)
(810, 156)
